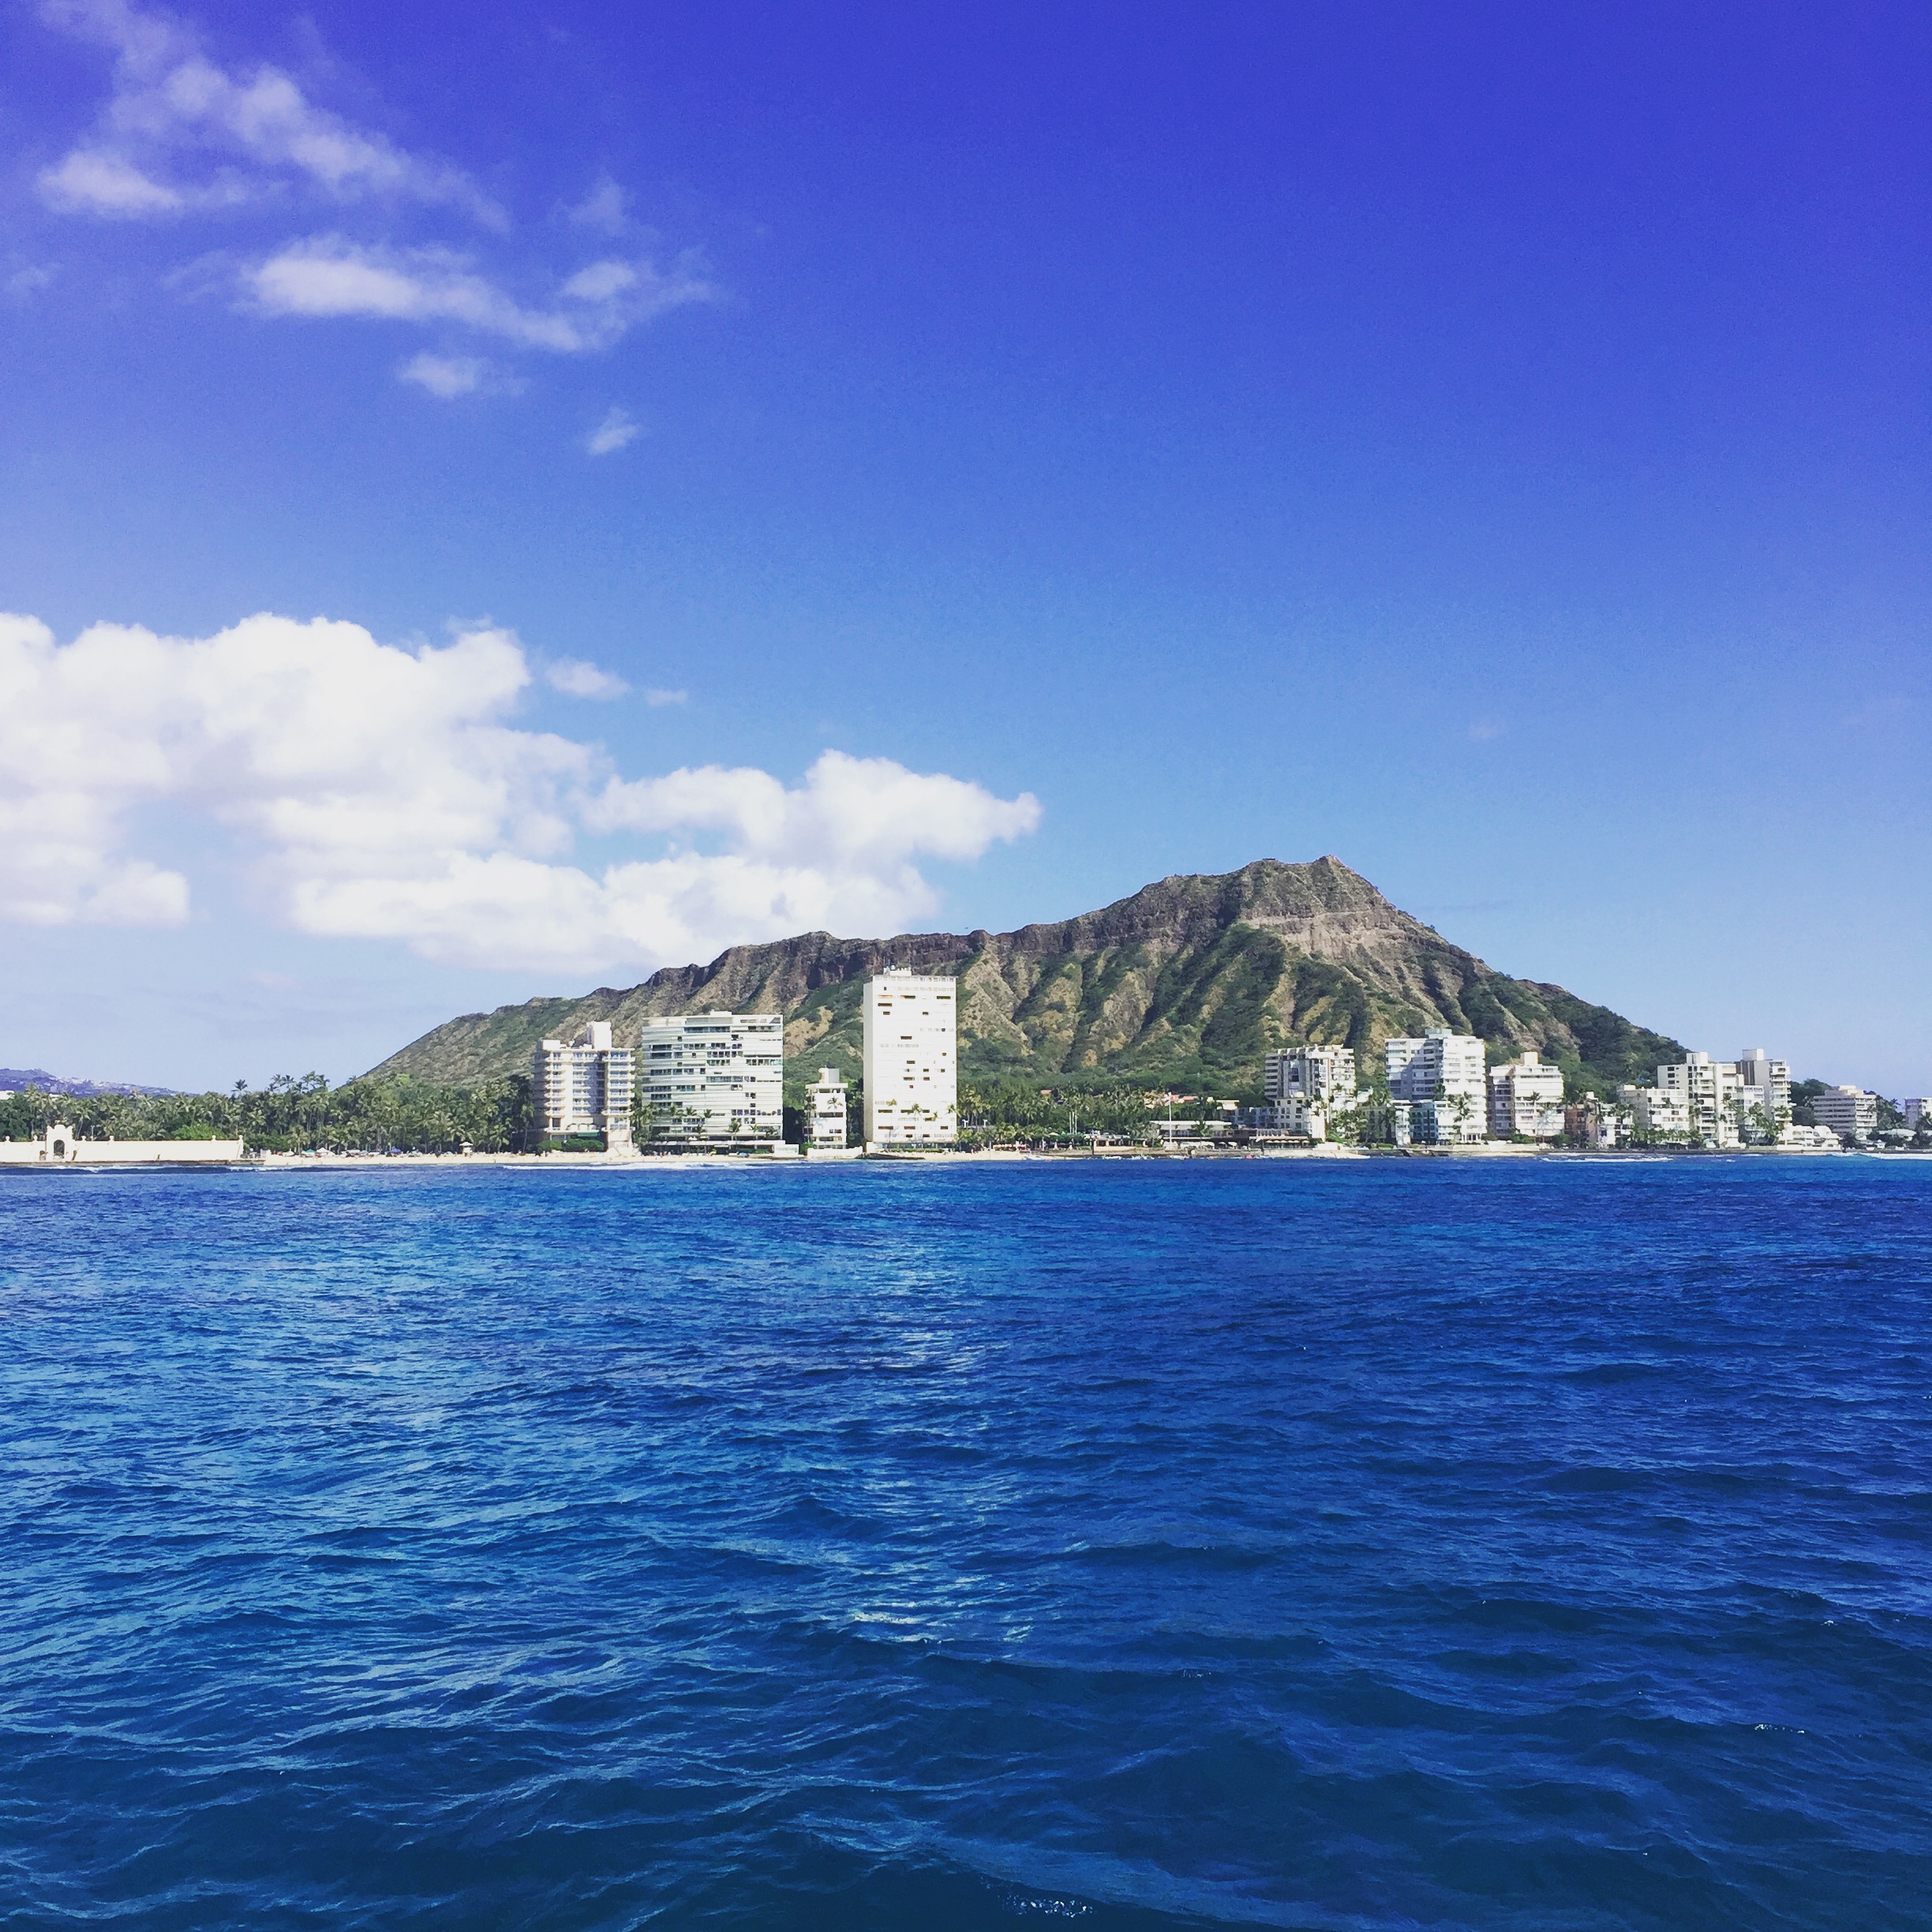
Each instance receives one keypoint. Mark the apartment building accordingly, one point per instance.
(1446, 1070)
(1527, 1099)
(910, 1043)
(1701, 1099)
(583, 1085)
(1657, 1114)
(1304, 1086)
(1708, 1090)
(824, 1109)
(715, 1077)
(1763, 1099)
(1325, 1073)
(1588, 1123)
(1849, 1112)
(1296, 1112)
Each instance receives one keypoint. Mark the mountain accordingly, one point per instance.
(1188, 983)
(14, 1080)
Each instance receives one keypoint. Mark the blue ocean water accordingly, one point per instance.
(1540, 1543)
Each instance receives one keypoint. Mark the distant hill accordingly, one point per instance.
(13, 1079)
(1186, 983)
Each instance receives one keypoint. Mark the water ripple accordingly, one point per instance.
(1540, 1547)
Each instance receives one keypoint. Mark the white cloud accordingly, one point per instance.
(617, 429)
(329, 276)
(1486, 731)
(601, 281)
(870, 812)
(181, 133)
(92, 183)
(603, 208)
(380, 793)
(445, 375)
(576, 679)
(654, 697)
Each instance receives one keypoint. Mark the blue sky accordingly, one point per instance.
(1487, 444)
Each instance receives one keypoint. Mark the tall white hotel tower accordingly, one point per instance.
(584, 1088)
(911, 1059)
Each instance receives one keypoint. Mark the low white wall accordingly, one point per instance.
(115, 1153)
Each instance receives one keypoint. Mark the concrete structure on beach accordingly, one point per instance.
(583, 1088)
(717, 1078)
(911, 1051)
(58, 1147)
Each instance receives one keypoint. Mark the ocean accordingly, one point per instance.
(1542, 1544)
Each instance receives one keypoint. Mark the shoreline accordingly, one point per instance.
(268, 1162)
(636, 1163)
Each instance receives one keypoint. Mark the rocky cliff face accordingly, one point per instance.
(1190, 980)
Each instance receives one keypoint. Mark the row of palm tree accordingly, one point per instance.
(293, 1114)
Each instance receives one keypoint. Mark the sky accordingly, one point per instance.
(495, 499)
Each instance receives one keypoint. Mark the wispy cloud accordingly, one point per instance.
(445, 375)
(181, 133)
(90, 182)
(605, 208)
(331, 276)
(613, 433)
(576, 678)
(1486, 731)
(655, 697)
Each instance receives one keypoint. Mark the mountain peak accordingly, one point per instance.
(1190, 980)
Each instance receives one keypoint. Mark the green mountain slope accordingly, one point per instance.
(1188, 983)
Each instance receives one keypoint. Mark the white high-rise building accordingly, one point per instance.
(824, 1109)
(1849, 1112)
(1764, 1084)
(1915, 1110)
(910, 1042)
(1445, 1067)
(1303, 1086)
(1708, 1091)
(583, 1085)
(1309, 1072)
(1526, 1097)
(715, 1077)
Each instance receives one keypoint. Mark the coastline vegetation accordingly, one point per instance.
(999, 1111)
(294, 1113)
